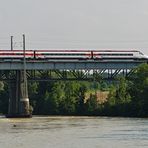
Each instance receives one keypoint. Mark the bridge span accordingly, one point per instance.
(69, 64)
(12, 70)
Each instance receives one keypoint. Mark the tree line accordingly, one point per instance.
(127, 97)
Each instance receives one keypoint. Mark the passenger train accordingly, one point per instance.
(74, 54)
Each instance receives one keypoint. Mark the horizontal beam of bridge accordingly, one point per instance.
(68, 65)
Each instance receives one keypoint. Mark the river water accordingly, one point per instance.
(73, 132)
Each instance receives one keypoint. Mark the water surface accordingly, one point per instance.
(73, 132)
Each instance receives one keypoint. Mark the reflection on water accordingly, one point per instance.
(73, 132)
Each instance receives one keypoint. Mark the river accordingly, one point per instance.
(73, 132)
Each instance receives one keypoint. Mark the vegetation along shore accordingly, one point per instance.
(123, 97)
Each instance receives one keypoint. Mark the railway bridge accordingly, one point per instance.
(16, 72)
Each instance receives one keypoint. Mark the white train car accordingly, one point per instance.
(118, 55)
(16, 54)
(62, 54)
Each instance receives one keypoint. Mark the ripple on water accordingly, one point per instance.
(73, 132)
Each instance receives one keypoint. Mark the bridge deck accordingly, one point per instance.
(68, 65)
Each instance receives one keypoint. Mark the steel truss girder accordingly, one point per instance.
(49, 75)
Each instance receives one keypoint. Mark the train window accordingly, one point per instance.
(18, 53)
(140, 53)
(116, 54)
(64, 54)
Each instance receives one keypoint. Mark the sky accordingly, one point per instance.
(82, 24)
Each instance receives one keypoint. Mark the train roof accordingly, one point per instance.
(74, 50)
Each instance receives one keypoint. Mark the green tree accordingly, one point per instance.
(92, 105)
(81, 99)
(111, 96)
(69, 102)
(122, 95)
(57, 96)
(139, 91)
(43, 90)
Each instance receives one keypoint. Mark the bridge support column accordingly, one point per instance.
(18, 100)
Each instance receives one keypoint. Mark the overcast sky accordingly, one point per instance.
(75, 23)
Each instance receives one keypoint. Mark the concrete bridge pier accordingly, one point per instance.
(18, 100)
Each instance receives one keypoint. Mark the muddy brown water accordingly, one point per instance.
(73, 132)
